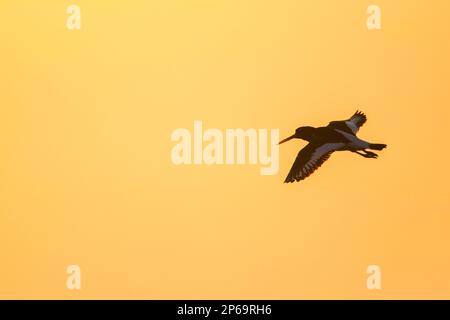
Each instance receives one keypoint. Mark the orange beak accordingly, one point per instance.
(287, 139)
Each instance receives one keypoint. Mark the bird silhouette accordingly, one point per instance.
(323, 141)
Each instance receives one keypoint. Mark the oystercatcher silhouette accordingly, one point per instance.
(323, 141)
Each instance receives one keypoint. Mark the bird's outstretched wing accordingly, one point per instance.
(351, 125)
(309, 159)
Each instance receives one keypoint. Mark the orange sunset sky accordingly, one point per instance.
(86, 176)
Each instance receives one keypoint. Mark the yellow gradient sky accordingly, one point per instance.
(85, 170)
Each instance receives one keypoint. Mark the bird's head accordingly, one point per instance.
(304, 133)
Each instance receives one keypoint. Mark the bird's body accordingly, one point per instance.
(323, 141)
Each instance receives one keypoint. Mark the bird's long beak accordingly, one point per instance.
(287, 139)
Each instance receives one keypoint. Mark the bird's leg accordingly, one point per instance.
(361, 154)
(367, 154)
(370, 154)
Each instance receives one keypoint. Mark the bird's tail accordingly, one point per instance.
(377, 146)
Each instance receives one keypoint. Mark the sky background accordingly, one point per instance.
(85, 170)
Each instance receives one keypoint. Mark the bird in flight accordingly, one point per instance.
(323, 141)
